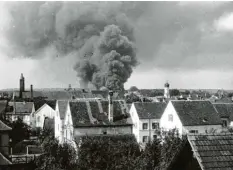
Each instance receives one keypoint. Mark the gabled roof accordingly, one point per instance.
(224, 110)
(99, 112)
(22, 107)
(150, 110)
(213, 151)
(3, 104)
(39, 103)
(223, 100)
(4, 127)
(62, 106)
(197, 112)
(4, 160)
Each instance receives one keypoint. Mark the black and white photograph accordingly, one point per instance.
(116, 85)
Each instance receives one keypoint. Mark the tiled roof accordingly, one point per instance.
(3, 126)
(3, 104)
(62, 106)
(4, 160)
(197, 112)
(223, 100)
(225, 109)
(22, 107)
(63, 94)
(39, 103)
(150, 110)
(213, 152)
(99, 111)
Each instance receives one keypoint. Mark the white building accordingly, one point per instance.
(146, 120)
(20, 110)
(166, 90)
(191, 117)
(46, 112)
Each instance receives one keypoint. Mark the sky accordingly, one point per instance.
(188, 44)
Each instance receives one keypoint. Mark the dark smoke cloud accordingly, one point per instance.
(99, 32)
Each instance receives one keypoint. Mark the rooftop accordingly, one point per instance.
(150, 110)
(196, 112)
(213, 151)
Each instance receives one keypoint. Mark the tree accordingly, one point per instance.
(110, 152)
(133, 88)
(132, 98)
(174, 92)
(56, 156)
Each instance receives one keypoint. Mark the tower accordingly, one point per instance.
(166, 90)
(21, 86)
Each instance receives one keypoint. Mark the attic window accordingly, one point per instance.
(170, 118)
(204, 120)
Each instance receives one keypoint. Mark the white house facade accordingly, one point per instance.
(191, 117)
(146, 118)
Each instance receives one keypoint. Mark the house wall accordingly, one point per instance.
(38, 117)
(165, 124)
(4, 143)
(68, 126)
(149, 132)
(80, 131)
(135, 121)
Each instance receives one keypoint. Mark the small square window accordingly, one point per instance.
(145, 125)
(155, 125)
(170, 118)
(154, 136)
(193, 131)
(145, 139)
(224, 123)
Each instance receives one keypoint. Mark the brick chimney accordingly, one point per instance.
(21, 85)
(31, 89)
(110, 106)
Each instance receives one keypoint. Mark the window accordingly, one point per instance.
(38, 119)
(104, 132)
(145, 126)
(224, 123)
(193, 131)
(155, 125)
(154, 136)
(170, 118)
(145, 139)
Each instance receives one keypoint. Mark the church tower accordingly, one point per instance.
(21, 86)
(166, 90)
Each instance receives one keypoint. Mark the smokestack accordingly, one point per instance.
(21, 86)
(31, 91)
(110, 106)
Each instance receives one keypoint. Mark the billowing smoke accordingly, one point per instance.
(99, 33)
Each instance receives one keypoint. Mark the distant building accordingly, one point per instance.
(225, 111)
(146, 120)
(191, 117)
(20, 110)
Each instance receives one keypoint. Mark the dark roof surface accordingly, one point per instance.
(4, 127)
(22, 107)
(224, 109)
(99, 111)
(62, 106)
(63, 94)
(4, 160)
(3, 104)
(150, 110)
(193, 113)
(39, 103)
(213, 151)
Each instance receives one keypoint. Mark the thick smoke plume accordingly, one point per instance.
(99, 33)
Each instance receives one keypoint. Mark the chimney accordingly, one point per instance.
(21, 86)
(110, 106)
(31, 91)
